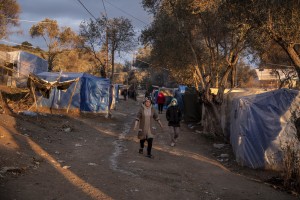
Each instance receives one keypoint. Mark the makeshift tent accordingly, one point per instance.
(227, 105)
(179, 95)
(260, 126)
(117, 91)
(182, 88)
(154, 95)
(192, 105)
(24, 64)
(88, 94)
(179, 98)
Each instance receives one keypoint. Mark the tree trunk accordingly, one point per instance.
(212, 121)
(103, 71)
(231, 64)
(295, 58)
(289, 49)
(220, 95)
(218, 75)
(198, 72)
(51, 58)
(233, 77)
(112, 65)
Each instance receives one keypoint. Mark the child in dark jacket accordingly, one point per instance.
(173, 116)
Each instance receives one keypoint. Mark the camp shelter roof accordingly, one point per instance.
(91, 93)
(52, 76)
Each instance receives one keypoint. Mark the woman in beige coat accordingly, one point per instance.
(145, 118)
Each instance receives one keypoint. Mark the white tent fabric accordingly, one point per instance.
(26, 63)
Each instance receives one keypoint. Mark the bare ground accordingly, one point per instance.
(87, 156)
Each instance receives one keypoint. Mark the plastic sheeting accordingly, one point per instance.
(117, 91)
(91, 94)
(192, 105)
(26, 63)
(261, 124)
(182, 88)
(179, 96)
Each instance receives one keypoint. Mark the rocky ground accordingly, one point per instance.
(88, 156)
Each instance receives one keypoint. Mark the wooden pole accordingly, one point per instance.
(1, 104)
(70, 100)
(32, 88)
(33, 104)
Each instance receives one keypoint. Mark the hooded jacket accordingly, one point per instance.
(173, 114)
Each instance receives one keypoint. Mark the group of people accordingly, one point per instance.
(148, 115)
(128, 93)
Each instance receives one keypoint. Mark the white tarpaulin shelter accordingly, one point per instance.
(24, 64)
(261, 125)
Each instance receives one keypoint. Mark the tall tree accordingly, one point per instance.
(93, 34)
(114, 35)
(212, 41)
(168, 42)
(120, 35)
(57, 39)
(9, 15)
(273, 20)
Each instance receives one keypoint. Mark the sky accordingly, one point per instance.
(71, 13)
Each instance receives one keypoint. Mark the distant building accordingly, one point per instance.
(272, 78)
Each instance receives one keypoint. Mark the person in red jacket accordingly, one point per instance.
(160, 101)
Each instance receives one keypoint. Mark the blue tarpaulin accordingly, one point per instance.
(181, 88)
(90, 95)
(261, 125)
(179, 96)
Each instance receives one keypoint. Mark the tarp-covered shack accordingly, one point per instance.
(21, 64)
(262, 125)
(87, 93)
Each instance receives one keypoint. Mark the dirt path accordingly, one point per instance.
(91, 157)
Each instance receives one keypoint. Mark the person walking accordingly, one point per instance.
(125, 94)
(147, 93)
(173, 116)
(145, 119)
(160, 102)
(134, 95)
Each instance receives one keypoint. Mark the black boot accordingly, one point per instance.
(140, 151)
(149, 156)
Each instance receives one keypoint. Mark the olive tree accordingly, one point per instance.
(270, 20)
(9, 10)
(114, 35)
(57, 39)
